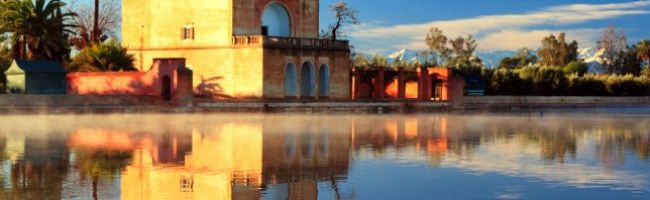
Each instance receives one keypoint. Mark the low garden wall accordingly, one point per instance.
(168, 79)
(510, 102)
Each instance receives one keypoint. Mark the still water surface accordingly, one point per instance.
(325, 157)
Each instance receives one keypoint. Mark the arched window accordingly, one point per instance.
(276, 21)
(307, 83)
(324, 81)
(290, 81)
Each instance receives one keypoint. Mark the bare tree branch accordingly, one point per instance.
(108, 22)
(343, 15)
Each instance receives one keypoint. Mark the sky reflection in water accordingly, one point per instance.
(326, 157)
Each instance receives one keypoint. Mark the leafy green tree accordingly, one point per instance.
(109, 56)
(556, 52)
(546, 80)
(627, 62)
(378, 61)
(587, 85)
(522, 58)
(614, 46)
(397, 63)
(5, 61)
(360, 61)
(437, 43)
(507, 82)
(5, 54)
(39, 29)
(463, 53)
(576, 67)
(643, 51)
(627, 85)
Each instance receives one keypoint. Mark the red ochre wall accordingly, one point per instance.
(132, 83)
(367, 86)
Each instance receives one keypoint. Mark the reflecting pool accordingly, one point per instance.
(324, 157)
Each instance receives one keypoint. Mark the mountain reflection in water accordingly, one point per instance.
(307, 157)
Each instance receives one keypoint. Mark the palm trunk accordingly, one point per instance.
(95, 32)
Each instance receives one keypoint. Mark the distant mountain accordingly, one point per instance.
(492, 59)
(591, 56)
(489, 58)
(404, 54)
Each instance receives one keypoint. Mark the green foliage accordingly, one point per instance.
(521, 59)
(643, 50)
(401, 64)
(378, 61)
(437, 43)
(360, 61)
(508, 82)
(109, 56)
(555, 51)
(5, 54)
(627, 62)
(628, 85)
(469, 71)
(613, 45)
(452, 53)
(39, 28)
(645, 72)
(575, 67)
(544, 81)
(549, 81)
(588, 85)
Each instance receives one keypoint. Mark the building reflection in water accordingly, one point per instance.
(292, 157)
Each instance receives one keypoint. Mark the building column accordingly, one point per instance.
(401, 87)
(379, 84)
(356, 80)
(424, 85)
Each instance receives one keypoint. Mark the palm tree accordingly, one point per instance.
(108, 56)
(643, 50)
(95, 35)
(39, 29)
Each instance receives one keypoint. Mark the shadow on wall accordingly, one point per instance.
(210, 87)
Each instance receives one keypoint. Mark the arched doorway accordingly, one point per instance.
(166, 88)
(324, 81)
(290, 81)
(307, 83)
(276, 21)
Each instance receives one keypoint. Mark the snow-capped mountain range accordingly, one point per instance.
(493, 58)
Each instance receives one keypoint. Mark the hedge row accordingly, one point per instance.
(550, 81)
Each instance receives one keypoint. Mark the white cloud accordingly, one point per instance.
(495, 31)
(514, 39)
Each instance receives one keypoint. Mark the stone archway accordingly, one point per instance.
(324, 81)
(307, 83)
(276, 21)
(290, 81)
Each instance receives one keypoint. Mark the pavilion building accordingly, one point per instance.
(266, 49)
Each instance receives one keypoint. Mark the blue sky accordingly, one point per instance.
(391, 25)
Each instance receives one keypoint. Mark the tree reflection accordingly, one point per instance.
(39, 172)
(614, 143)
(100, 163)
(288, 157)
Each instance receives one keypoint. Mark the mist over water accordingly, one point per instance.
(255, 156)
